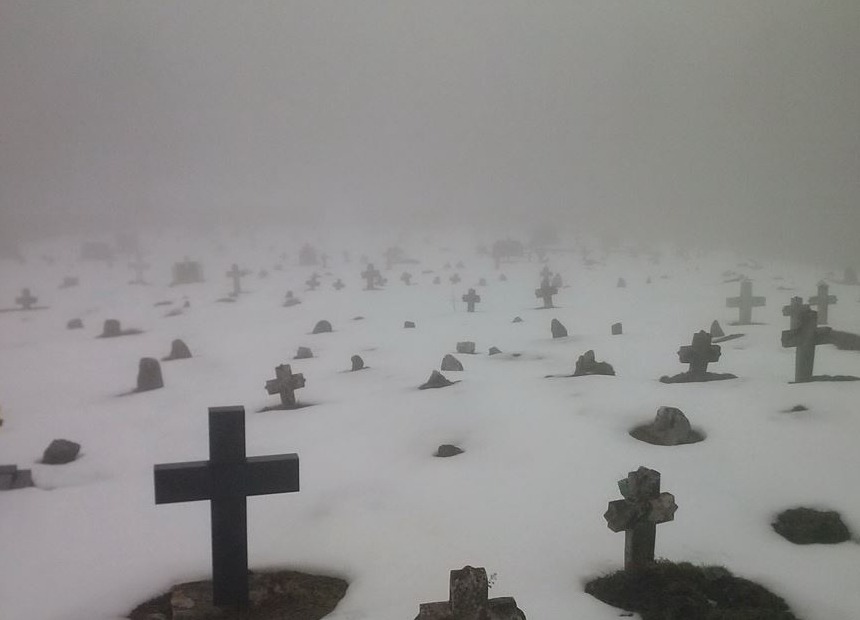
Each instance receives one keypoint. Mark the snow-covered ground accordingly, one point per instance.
(542, 456)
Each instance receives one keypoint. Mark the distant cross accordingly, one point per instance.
(556, 281)
(699, 354)
(471, 298)
(371, 276)
(226, 480)
(324, 258)
(545, 272)
(313, 282)
(794, 310)
(236, 275)
(406, 278)
(138, 266)
(638, 514)
(822, 302)
(455, 279)
(745, 303)
(805, 337)
(545, 292)
(26, 300)
(338, 284)
(285, 383)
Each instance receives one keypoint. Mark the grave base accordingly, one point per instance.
(818, 378)
(282, 595)
(686, 377)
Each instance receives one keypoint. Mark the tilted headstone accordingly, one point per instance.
(357, 363)
(469, 600)
(286, 383)
(822, 302)
(26, 301)
(60, 452)
(557, 329)
(149, 375)
(745, 303)
(447, 450)
(588, 365)
(436, 380)
(493, 351)
(716, 330)
(449, 363)
(236, 275)
(546, 292)
(669, 428)
(466, 347)
(75, 324)
(805, 337)
(471, 298)
(638, 514)
(227, 479)
(322, 327)
(178, 351)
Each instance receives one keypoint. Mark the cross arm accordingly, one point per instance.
(182, 482)
(272, 474)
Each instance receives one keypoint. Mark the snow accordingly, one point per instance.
(542, 455)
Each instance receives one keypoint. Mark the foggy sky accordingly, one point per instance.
(687, 118)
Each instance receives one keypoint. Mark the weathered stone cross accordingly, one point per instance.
(805, 337)
(26, 300)
(286, 383)
(313, 282)
(699, 354)
(236, 275)
(822, 302)
(226, 480)
(371, 275)
(545, 292)
(406, 278)
(793, 310)
(139, 267)
(469, 600)
(471, 298)
(638, 514)
(745, 303)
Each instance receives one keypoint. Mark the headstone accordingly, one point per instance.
(622, 283)
(111, 329)
(493, 351)
(822, 302)
(617, 329)
(187, 272)
(178, 351)
(455, 278)
(558, 330)
(26, 300)
(139, 266)
(699, 354)
(409, 325)
(60, 452)
(587, 365)
(471, 298)
(805, 337)
(716, 330)
(313, 282)
(447, 450)
(436, 380)
(291, 300)
(503, 278)
(149, 375)
(406, 278)
(322, 327)
(450, 363)
(70, 282)
(338, 284)
(308, 256)
(75, 324)
(469, 600)
(357, 363)
(12, 478)
(226, 480)
(467, 347)
(437, 280)
(669, 428)
(638, 514)
(745, 303)
(236, 275)
(517, 319)
(371, 276)
(546, 292)
(285, 383)
(482, 282)
(303, 353)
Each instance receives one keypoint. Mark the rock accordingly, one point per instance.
(322, 327)
(806, 526)
(716, 330)
(466, 348)
(558, 330)
(617, 329)
(670, 428)
(303, 353)
(436, 380)
(149, 375)
(60, 452)
(449, 362)
(494, 351)
(517, 319)
(587, 365)
(75, 324)
(357, 363)
(446, 450)
(178, 351)
(112, 328)
(408, 325)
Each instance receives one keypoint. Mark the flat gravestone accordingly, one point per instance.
(12, 478)
(469, 600)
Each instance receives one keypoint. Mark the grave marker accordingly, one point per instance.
(822, 302)
(26, 300)
(236, 275)
(469, 600)
(794, 310)
(471, 298)
(745, 303)
(804, 338)
(371, 275)
(545, 292)
(286, 383)
(139, 267)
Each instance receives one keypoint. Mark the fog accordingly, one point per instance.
(714, 124)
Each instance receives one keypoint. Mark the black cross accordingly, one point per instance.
(285, 383)
(699, 354)
(227, 479)
(545, 292)
(236, 274)
(822, 302)
(471, 298)
(745, 303)
(372, 276)
(805, 336)
(794, 310)
(26, 300)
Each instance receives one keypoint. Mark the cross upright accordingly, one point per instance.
(545, 272)
(313, 282)
(286, 383)
(26, 300)
(138, 266)
(471, 298)
(406, 278)
(545, 292)
(236, 275)
(805, 337)
(371, 275)
(822, 302)
(638, 514)
(699, 354)
(227, 479)
(745, 303)
(794, 310)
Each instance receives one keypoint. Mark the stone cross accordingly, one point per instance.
(638, 514)
(471, 298)
(469, 600)
(139, 267)
(406, 278)
(227, 479)
(26, 300)
(745, 303)
(313, 282)
(805, 337)
(794, 310)
(545, 292)
(545, 272)
(454, 279)
(286, 383)
(236, 275)
(371, 275)
(822, 302)
(699, 354)
(338, 284)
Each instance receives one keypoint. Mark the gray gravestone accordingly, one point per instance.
(371, 277)
(471, 298)
(285, 383)
(546, 292)
(322, 327)
(558, 330)
(357, 363)
(469, 600)
(745, 303)
(60, 452)
(436, 380)
(805, 337)
(588, 365)
(291, 300)
(178, 351)
(617, 329)
(303, 353)
(467, 347)
(449, 363)
(822, 302)
(149, 375)
(236, 275)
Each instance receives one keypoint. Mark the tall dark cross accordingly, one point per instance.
(745, 303)
(313, 282)
(226, 480)
(371, 276)
(26, 300)
(794, 310)
(699, 354)
(406, 278)
(138, 267)
(822, 302)
(286, 383)
(471, 298)
(638, 514)
(236, 275)
(805, 337)
(545, 292)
